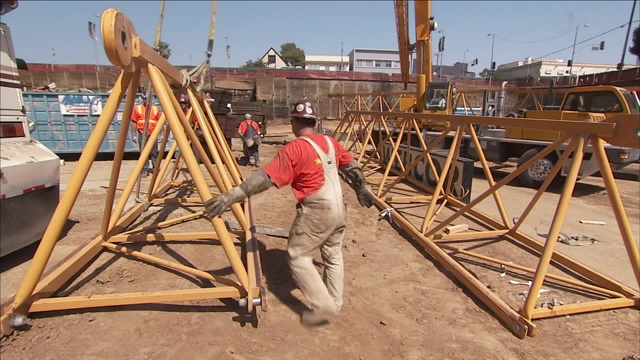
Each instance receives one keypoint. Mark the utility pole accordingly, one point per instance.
(149, 91)
(341, 52)
(493, 40)
(626, 39)
(463, 59)
(573, 53)
(212, 36)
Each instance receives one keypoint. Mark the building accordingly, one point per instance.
(374, 60)
(458, 69)
(273, 59)
(326, 62)
(539, 70)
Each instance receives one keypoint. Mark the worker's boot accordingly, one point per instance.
(313, 318)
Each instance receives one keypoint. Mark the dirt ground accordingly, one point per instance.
(399, 304)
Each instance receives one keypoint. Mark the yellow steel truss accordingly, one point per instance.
(366, 132)
(126, 50)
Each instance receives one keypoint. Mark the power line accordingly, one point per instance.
(589, 39)
(562, 33)
(531, 42)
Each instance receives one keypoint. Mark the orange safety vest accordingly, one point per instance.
(138, 114)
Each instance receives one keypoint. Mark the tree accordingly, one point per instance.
(164, 50)
(485, 73)
(635, 42)
(291, 54)
(254, 64)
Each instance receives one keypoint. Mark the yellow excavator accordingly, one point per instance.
(435, 97)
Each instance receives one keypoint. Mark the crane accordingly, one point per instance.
(431, 97)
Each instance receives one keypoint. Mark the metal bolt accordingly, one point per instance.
(243, 301)
(18, 321)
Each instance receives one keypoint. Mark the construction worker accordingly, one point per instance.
(138, 117)
(184, 103)
(310, 164)
(249, 131)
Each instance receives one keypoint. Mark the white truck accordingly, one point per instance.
(29, 172)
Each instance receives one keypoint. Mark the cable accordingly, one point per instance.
(532, 42)
(589, 39)
(562, 33)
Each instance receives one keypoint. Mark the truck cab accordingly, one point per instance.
(588, 103)
(438, 98)
(581, 104)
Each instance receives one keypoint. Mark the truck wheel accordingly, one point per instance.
(537, 173)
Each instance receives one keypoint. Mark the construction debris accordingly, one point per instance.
(575, 240)
(592, 222)
(261, 229)
(454, 229)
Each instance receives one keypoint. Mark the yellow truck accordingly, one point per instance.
(587, 103)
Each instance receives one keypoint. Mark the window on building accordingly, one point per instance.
(364, 63)
(383, 63)
(271, 59)
(395, 64)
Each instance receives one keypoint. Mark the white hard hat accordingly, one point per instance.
(247, 116)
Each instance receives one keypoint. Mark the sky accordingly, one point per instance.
(57, 31)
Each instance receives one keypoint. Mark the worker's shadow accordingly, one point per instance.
(278, 278)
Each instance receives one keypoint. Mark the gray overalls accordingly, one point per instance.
(320, 223)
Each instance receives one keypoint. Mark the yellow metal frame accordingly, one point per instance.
(375, 101)
(445, 248)
(126, 50)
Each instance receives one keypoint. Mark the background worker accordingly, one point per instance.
(138, 117)
(310, 164)
(184, 103)
(249, 131)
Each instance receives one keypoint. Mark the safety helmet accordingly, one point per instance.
(247, 116)
(303, 109)
(183, 99)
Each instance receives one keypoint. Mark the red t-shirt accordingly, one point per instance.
(244, 126)
(298, 164)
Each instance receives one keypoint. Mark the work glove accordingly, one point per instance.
(365, 198)
(255, 184)
(218, 205)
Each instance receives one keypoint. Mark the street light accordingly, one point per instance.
(53, 57)
(463, 58)
(228, 54)
(573, 52)
(341, 52)
(95, 46)
(493, 40)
